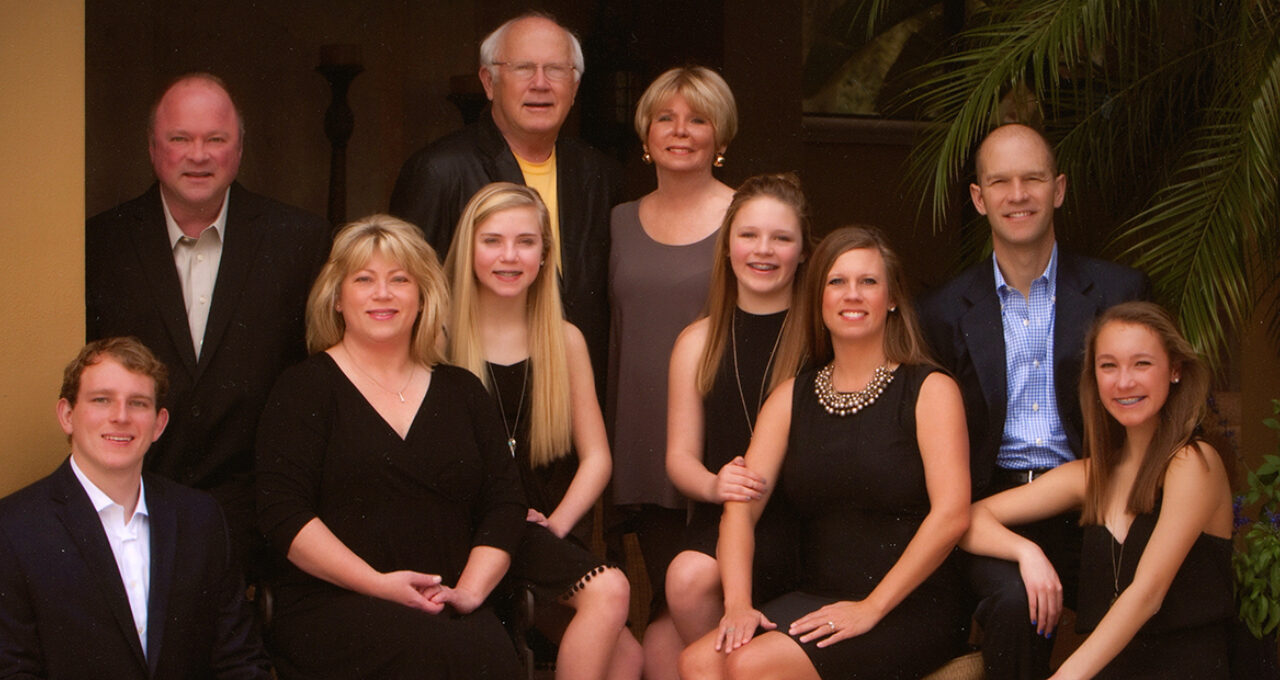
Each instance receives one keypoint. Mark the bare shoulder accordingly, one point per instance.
(939, 381)
(695, 332)
(1196, 459)
(573, 338)
(939, 388)
(783, 390)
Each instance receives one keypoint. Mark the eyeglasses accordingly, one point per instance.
(525, 70)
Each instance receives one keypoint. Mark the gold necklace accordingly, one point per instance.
(413, 370)
(847, 403)
(733, 336)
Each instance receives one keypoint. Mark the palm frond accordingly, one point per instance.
(1208, 239)
(1015, 44)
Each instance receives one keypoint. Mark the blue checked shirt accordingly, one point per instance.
(1033, 432)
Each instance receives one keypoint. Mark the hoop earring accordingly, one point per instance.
(719, 161)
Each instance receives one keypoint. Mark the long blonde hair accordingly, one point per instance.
(1176, 425)
(550, 408)
(722, 298)
(399, 241)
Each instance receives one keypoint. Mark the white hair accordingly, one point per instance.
(489, 46)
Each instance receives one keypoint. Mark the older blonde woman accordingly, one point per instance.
(384, 478)
(659, 273)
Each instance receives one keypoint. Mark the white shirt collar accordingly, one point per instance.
(219, 225)
(101, 500)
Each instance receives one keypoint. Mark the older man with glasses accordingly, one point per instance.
(530, 67)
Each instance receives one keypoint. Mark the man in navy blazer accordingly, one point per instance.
(1011, 331)
(109, 573)
(214, 280)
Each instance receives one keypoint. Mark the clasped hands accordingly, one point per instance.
(828, 625)
(424, 592)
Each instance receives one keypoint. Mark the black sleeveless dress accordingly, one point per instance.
(1188, 637)
(727, 433)
(856, 486)
(553, 567)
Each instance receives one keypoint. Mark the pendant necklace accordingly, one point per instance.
(515, 427)
(1116, 563)
(413, 370)
(839, 403)
(733, 337)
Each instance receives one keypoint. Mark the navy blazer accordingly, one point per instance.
(63, 608)
(436, 183)
(270, 256)
(962, 324)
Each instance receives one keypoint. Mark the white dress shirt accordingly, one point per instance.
(130, 544)
(197, 262)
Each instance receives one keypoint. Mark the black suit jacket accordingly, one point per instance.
(961, 321)
(436, 183)
(63, 608)
(270, 256)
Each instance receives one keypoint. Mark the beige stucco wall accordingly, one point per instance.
(41, 226)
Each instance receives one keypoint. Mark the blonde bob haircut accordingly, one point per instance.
(550, 405)
(706, 92)
(353, 247)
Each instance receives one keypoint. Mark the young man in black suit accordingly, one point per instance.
(109, 573)
(1011, 330)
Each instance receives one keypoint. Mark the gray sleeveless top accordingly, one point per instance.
(655, 290)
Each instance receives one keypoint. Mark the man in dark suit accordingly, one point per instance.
(109, 573)
(1011, 330)
(530, 67)
(214, 279)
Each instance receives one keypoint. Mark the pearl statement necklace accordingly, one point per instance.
(847, 403)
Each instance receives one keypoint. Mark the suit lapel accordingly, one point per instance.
(570, 198)
(239, 252)
(74, 510)
(984, 336)
(151, 242)
(499, 161)
(164, 529)
(1074, 310)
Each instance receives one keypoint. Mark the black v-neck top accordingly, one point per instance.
(417, 503)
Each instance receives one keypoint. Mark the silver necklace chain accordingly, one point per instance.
(515, 427)
(1115, 566)
(737, 376)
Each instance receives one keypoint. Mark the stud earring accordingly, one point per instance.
(719, 161)
(1177, 380)
(893, 309)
